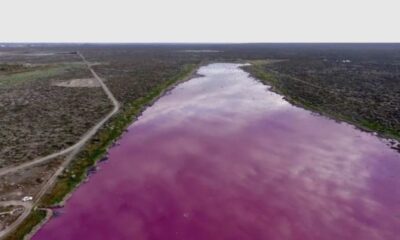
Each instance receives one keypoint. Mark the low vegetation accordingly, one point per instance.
(38, 118)
(355, 83)
(98, 146)
(6, 68)
(365, 93)
(34, 218)
(37, 73)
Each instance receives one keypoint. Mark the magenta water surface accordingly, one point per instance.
(222, 157)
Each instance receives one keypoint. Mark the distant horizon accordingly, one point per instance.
(208, 21)
(175, 43)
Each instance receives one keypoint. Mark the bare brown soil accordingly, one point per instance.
(27, 182)
(8, 215)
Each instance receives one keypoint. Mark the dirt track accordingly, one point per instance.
(27, 209)
(71, 151)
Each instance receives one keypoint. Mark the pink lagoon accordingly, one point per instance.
(222, 157)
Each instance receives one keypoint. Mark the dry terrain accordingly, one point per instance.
(50, 99)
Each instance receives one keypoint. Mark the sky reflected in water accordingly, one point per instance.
(222, 157)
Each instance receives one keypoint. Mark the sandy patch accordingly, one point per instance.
(83, 82)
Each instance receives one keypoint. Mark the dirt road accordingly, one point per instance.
(83, 139)
(27, 209)
(71, 151)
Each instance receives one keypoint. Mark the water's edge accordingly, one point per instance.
(192, 74)
(36, 220)
(256, 73)
(223, 120)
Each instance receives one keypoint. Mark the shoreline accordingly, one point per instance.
(156, 140)
(190, 76)
(138, 110)
(126, 116)
(267, 78)
(49, 214)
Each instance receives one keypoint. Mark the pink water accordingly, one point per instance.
(222, 157)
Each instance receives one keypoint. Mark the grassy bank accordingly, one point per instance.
(95, 149)
(34, 218)
(272, 79)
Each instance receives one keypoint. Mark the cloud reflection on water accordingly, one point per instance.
(220, 157)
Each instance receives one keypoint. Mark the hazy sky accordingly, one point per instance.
(199, 21)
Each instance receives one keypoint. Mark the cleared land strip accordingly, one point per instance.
(72, 150)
